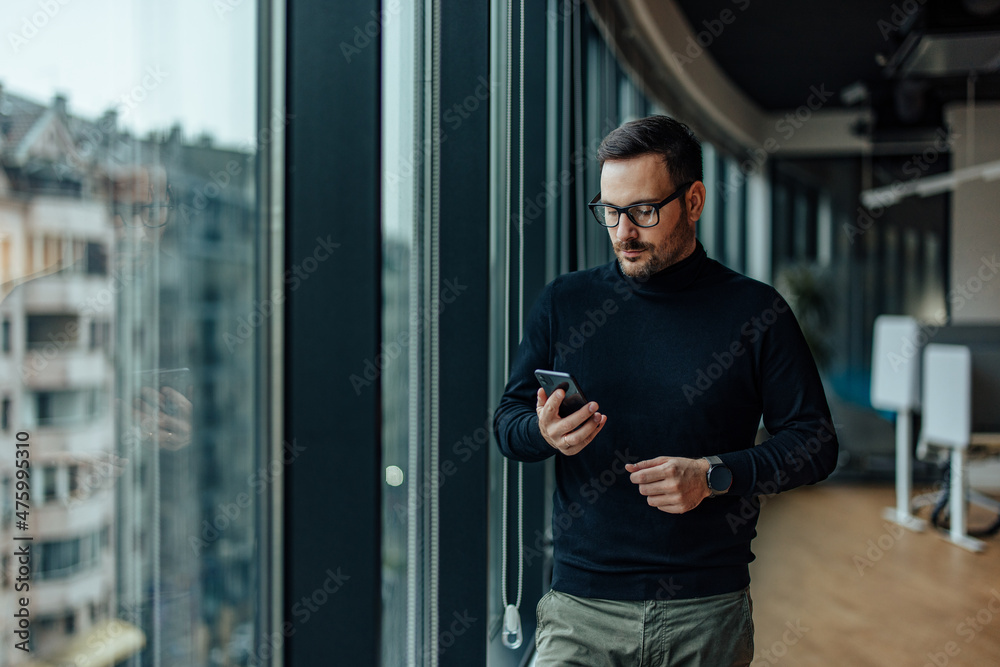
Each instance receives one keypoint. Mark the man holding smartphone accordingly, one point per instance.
(689, 355)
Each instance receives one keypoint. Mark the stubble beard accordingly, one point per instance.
(656, 258)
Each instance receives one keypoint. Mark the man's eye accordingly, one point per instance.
(642, 213)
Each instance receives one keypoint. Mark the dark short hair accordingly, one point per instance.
(670, 139)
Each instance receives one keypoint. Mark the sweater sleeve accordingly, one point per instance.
(515, 422)
(803, 448)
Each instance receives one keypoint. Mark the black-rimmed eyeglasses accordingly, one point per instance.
(151, 213)
(641, 215)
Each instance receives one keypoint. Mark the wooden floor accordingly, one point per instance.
(834, 584)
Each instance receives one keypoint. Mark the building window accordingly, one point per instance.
(99, 334)
(57, 560)
(69, 623)
(44, 407)
(97, 259)
(68, 407)
(49, 482)
(5, 335)
(5, 414)
(74, 480)
(60, 331)
(7, 503)
(46, 626)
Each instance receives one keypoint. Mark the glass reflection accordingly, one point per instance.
(127, 280)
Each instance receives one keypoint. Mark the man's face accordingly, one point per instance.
(642, 251)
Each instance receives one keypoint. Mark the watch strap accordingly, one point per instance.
(714, 461)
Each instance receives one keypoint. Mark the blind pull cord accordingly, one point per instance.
(512, 635)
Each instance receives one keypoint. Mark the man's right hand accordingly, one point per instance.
(569, 434)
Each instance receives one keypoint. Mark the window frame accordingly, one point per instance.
(331, 522)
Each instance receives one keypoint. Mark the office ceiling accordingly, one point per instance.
(912, 56)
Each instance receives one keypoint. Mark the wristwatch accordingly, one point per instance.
(720, 477)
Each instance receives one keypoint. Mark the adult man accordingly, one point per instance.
(684, 356)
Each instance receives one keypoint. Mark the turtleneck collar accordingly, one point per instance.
(674, 278)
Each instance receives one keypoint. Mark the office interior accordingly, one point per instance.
(264, 266)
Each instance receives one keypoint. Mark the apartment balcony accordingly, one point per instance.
(89, 583)
(90, 510)
(65, 215)
(69, 293)
(49, 366)
(88, 438)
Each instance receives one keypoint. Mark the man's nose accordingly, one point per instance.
(626, 229)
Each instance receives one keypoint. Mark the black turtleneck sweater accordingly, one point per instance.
(683, 364)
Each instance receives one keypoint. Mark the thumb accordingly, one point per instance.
(540, 398)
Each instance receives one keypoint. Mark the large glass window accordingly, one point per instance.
(407, 491)
(134, 260)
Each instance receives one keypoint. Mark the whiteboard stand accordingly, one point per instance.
(947, 411)
(957, 503)
(896, 386)
(900, 514)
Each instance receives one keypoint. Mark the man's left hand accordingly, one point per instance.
(670, 483)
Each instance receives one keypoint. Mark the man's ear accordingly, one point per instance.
(694, 199)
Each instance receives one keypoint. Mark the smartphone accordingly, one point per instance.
(552, 380)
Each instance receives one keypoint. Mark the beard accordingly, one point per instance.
(675, 247)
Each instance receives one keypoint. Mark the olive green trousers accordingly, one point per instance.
(714, 631)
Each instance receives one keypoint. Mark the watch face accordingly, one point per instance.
(720, 478)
